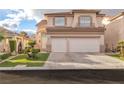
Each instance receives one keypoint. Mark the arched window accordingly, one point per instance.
(85, 21)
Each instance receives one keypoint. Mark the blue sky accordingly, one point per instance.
(26, 19)
(19, 20)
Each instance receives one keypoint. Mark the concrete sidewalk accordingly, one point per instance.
(22, 68)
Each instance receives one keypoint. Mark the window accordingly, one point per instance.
(85, 21)
(59, 21)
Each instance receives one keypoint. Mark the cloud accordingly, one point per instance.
(10, 24)
(14, 18)
(33, 14)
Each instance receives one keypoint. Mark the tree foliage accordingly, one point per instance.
(23, 33)
(120, 48)
(30, 50)
(31, 43)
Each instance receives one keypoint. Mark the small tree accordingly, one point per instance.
(120, 48)
(30, 51)
(31, 43)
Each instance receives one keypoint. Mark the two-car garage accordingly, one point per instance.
(75, 44)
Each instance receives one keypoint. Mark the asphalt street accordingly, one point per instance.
(63, 77)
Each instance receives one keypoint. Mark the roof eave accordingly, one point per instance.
(115, 17)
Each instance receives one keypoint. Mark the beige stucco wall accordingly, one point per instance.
(4, 45)
(114, 32)
(38, 40)
(121, 32)
(99, 21)
(73, 21)
(49, 21)
(40, 36)
(23, 41)
(69, 21)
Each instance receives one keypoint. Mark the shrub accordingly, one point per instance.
(120, 48)
(31, 43)
(22, 51)
(33, 53)
(26, 50)
(12, 44)
(5, 56)
(1, 37)
(35, 50)
(30, 50)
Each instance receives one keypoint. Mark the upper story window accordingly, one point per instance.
(59, 21)
(85, 21)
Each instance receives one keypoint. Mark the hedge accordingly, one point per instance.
(35, 50)
(5, 56)
(12, 44)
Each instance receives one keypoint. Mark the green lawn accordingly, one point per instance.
(24, 60)
(4, 56)
(117, 56)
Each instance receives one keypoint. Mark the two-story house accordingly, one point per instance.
(114, 31)
(75, 31)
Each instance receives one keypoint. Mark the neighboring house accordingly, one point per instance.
(8, 35)
(74, 31)
(114, 32)
(40, 36)
(21, 42)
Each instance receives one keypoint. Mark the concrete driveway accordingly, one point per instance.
(82, 61)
